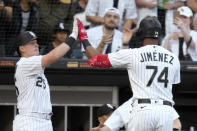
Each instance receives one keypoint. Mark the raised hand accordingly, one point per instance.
(82, 34)
(107, 38)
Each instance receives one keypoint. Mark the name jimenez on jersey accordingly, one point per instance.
(156, 56)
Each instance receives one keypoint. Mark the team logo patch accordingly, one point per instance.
(32, 34)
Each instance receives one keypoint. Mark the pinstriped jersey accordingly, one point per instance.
(152, 71)
(33, 94)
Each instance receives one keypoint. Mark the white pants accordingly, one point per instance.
(29, 123)
(148, 117)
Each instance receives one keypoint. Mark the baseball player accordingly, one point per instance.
(33, 94)
(152, 72)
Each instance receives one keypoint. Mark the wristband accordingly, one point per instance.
(85, 43)
(69, 41)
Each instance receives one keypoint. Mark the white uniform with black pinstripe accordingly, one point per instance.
(152, 72)
(33, 101)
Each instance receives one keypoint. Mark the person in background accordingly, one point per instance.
(60, 34)
(5, 18)
(24, 17)
(103, 113)
(52, 12)
(78, 8)
(171, 8)
(182, 43)
(107, 38)
(96, 8)
(146, 8)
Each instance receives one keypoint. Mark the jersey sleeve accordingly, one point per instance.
(121, 59)
(114, 122)
(177, 75)
(31, 66)
(175, 115)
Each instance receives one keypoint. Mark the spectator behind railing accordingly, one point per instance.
(52, 12)
(95, 11)
(183, 42)
(78, 8)
(106, 38)
(60, 33)
(171, 8)
(5, 17)
(146, 8)
(23, 17)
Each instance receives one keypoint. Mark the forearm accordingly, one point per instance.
(100, 47)
(192, 4)
(178, 4)
(128, 23)
(141, 3)
(89, 50)
(57, 53)
(95, 19)
(166, 43)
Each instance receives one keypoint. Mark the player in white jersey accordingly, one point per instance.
(33, 94)
(152, 72)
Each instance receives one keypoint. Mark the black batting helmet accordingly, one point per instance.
(24, 38)
(150, 27)
(105, 109)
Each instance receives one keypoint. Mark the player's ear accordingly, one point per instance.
(21, 49)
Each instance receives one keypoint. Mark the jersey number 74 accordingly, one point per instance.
(163, 76)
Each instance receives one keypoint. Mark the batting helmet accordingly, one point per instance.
(105, 110)
(150, 27)
(24, 38)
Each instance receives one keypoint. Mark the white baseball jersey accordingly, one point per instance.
(122, 115)
(32, 85)
(33, 101)
(152, 72)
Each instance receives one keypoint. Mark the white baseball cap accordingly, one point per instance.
(185, 11)
(112, 9)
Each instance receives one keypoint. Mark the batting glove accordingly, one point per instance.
(74, 33)
(82, 32)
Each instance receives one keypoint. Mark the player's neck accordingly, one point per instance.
(150, 41)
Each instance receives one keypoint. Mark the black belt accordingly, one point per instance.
(148, 101)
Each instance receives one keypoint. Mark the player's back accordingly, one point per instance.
(152, 72)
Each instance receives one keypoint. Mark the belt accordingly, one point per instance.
(149, 101)
(38, 115)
